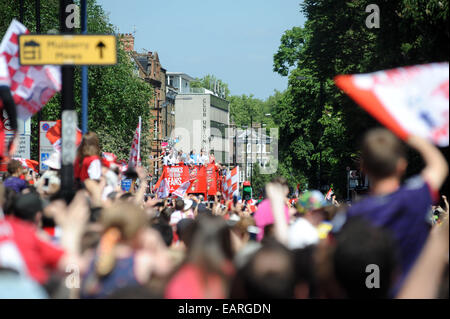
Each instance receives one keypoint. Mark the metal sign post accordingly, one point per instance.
(67, 50)
(68, 117)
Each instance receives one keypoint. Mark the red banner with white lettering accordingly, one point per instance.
(199, 175)
(175, 176)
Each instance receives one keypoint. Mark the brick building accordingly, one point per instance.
(162, 105)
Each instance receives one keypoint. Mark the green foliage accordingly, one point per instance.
(208, 82)
(117, 97)
(246, 108)
(319, 125)
(259, 181)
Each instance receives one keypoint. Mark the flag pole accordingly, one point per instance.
(139, 144)
(84, 74)
(68, 116)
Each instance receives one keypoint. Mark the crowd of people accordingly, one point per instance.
(108, 243)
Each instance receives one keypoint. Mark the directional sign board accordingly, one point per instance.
(56, 49)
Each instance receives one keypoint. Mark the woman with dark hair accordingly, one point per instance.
(207, 269)
(88, 163)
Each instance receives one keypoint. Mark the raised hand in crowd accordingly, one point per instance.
(72, 220)
(446, 206)
(436, 167)
(95, 190)
(277, 194)
(143, 183)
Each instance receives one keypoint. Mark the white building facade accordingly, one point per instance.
(201, 119)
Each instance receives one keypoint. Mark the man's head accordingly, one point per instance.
(179, 204)
(382, 155)
(270, 274)
(311, 205)
(202, 209)
(364, 253)
(14, 167)
(28, 207)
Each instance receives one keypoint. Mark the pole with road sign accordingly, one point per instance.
(58, 49)
(67, 50)
(68, 113)
(84, 74)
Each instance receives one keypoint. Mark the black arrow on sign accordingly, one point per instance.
(101, 46)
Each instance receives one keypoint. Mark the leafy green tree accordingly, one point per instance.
(211, 83)
(247, 108)
(320, 127)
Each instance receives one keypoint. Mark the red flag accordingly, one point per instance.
(109, 159)
(27, 163)
(329, 194)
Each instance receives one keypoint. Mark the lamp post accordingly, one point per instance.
(261, 146)
(263, 125)
(165, 106)
(68, 115)
(319, 181)
(234, 141)
(21, 11)
(246, 149)
(157, 136)
(251, 150)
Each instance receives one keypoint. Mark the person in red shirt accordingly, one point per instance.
(36, 254)
(88, 162)
(25, 248)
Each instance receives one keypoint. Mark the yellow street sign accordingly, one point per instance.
(37, 49)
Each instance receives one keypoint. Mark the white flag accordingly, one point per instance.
(163, 190)
(408, 100)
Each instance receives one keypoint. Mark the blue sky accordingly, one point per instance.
(233, 39)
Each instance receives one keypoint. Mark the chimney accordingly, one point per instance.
(127, 40)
